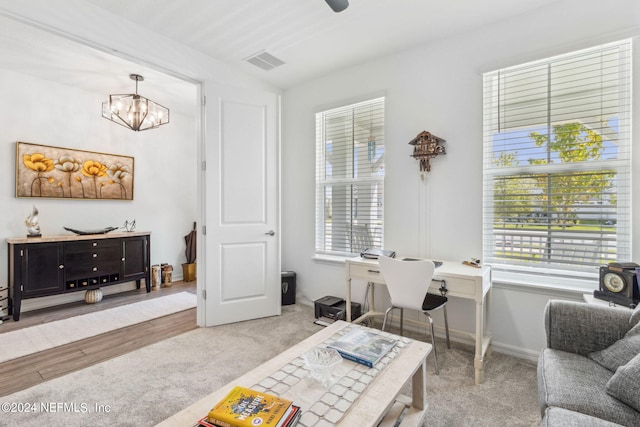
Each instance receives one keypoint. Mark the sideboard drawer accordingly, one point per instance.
(93, 262)
(89, 245)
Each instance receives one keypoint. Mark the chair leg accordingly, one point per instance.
(369, 322)
(386, 313)
(401, 320)
(433, 342)
(446, 326)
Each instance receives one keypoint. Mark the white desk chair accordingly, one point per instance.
(408, 282)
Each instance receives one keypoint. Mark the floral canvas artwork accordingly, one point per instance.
(55, 172)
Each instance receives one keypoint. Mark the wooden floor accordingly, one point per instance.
(31, 370)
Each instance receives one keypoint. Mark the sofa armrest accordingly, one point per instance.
(583, 328)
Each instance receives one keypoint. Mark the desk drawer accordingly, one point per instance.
(369, 273)
(457, 287)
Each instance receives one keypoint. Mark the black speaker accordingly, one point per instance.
(288, 287)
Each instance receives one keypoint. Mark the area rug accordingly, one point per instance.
(37, 338)
(148, 385)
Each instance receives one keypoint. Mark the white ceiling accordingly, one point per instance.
(307, 35)
(30, 51)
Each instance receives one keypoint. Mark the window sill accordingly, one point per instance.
(330, 259)
(577, 286)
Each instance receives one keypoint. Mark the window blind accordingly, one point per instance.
(350, 178)
(557, 165)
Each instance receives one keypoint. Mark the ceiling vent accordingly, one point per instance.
(264, 60)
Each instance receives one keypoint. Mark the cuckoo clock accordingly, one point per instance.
(425, 148)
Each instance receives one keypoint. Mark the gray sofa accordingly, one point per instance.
(589, 373)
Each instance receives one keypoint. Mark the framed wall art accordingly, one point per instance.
(55, 172)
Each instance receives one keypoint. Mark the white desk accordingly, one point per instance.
(462, 281)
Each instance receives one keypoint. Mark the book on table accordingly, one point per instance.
(363, 346)
(290, 419)
(244, 407)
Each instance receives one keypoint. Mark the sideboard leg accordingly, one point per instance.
(14, 306)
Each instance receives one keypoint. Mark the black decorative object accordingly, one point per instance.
(86, 232)
(129, 225)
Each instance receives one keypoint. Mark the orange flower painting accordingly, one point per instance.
(55, 172)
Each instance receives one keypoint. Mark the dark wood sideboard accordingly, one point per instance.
(52, 265)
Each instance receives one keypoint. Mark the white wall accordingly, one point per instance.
(438, 88)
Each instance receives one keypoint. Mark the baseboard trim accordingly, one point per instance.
(520, 353)
(53, 300)
(467, 338)
(418, 327)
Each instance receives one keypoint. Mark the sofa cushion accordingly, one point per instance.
(584, 328)
(565, 418)
(624, 385)
(620, 352)
(635, 316)
(570, 381)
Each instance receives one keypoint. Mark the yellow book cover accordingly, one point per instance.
(244, 407)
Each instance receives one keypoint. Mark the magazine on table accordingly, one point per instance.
(363, 346)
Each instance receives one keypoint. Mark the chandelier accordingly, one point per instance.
(134, 111)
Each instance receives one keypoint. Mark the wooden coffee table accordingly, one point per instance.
(379, 402)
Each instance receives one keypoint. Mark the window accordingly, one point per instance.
(557, 182)
(350, 178)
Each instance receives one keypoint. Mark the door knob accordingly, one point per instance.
(270, 233)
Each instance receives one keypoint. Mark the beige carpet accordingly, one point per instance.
(148, 385)
(37, 338)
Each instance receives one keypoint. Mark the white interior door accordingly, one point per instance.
(242, 207)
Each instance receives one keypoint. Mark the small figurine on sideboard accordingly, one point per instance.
(33, 228)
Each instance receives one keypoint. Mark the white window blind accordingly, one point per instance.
(557, 178)
(350, 178)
